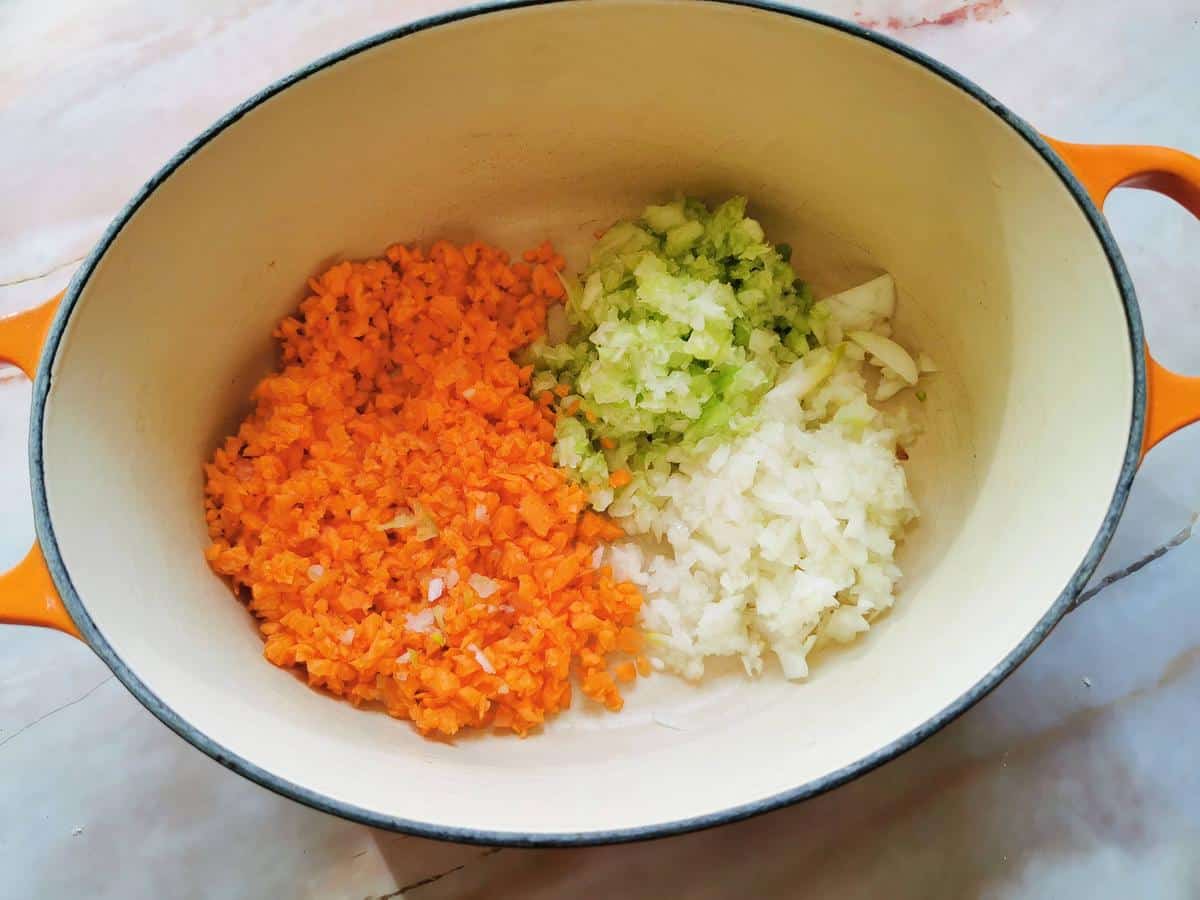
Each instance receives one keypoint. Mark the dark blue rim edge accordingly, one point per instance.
(1064, 602)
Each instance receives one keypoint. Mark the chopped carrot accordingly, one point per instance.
(629, 640)
(608, 443)
(398, 444)
(571, 408)
(562, 389)
(620, 478)
(598, 528)
(537, 514)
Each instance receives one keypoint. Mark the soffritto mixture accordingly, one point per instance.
(424, 506)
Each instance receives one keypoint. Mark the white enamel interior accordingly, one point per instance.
(553, 120)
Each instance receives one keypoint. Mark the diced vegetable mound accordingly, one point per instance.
(723, 419)
(681, 321)
(391, 512)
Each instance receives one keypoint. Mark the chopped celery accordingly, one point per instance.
(680, 323)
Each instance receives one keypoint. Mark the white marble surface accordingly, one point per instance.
(1076, 777)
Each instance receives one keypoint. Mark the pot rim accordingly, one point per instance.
(1062, 604)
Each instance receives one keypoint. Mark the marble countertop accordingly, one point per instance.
(1076, 777)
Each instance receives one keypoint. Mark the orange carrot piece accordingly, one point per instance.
(537, 514)
(620, 478)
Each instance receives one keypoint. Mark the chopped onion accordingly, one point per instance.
(348, 637)
(889, 388)
(481, 513)
(315, 572)
(436, 586)
(482, 585)
(601, 498)
(801, 378)
(865, 306)
(420, 622)
(925, 363)
(503, 689)
(451, 578)
(403, 519)
(481, 658)
(844, 623)
(426, 528)
(597, 557)
(468, 393)
(888, 352)
(657, 664)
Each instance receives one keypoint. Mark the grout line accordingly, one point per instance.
(423, 882)
(398, 894)
(26, 279)
(1121, 574)
(57, 709)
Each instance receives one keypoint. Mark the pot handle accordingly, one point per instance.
(1173, 400)
(27, 592)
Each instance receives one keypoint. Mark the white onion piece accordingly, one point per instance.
(864, 306)
(889, 387)
(482, 585)
(802, 377)
(887, 352)
(925, 363)
(844, 623)
(403, 519)
(421, 622)
(481, 658)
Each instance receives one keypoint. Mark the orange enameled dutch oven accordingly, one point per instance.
(513, 123)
